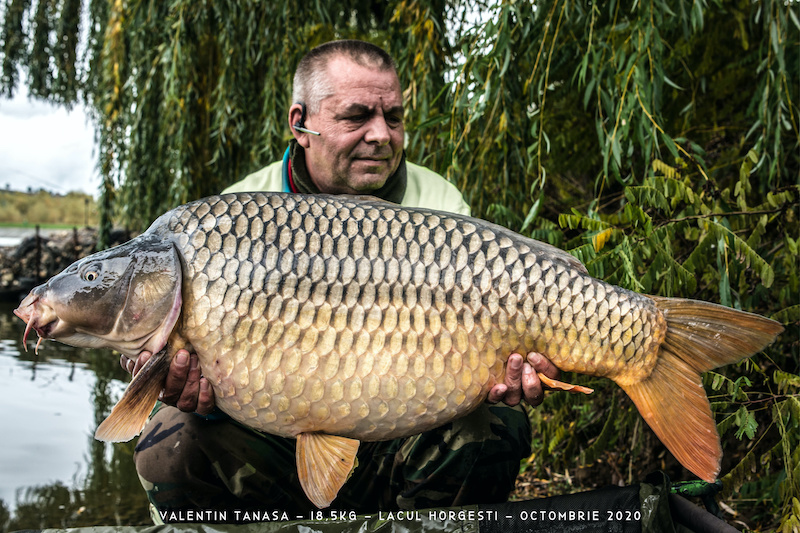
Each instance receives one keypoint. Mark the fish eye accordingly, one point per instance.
(91, 273)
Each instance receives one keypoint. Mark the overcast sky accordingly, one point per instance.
(44, 146)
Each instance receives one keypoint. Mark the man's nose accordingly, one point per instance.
(377, 131)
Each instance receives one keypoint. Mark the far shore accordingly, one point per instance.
(13, 235)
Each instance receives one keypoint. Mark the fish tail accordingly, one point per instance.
(130, 414)
(700, 336)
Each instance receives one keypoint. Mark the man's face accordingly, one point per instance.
(361, 126)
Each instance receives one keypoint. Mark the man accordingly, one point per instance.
(355, 109)
(347, 122)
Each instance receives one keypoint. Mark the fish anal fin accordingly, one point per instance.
(674, 404)
(324, 462)
(563, 386)
(129, 415)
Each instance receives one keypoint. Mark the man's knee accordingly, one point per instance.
(184, 459)
(474, 459)
(500, 430)
(168, 446)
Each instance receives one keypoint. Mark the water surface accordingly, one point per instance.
(52, 472)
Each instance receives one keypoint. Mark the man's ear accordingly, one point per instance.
(295, 117)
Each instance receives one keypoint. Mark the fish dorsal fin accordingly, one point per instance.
(556, 254)
(128, 417)
(357, 198)
(324, 463)
(542, 249)
(370, 198)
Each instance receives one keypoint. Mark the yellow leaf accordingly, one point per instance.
(429, 28)
(600, 239)
(664, 169)
(503, 125)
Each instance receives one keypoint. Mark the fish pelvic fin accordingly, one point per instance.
(700, 336)
(324, 463)
(129, 416)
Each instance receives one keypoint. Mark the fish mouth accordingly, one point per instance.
(38, 317)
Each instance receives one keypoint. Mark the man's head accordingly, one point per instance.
(353, 98)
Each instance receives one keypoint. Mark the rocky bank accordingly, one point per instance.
(39, 257)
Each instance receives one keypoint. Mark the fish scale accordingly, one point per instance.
(376, 322)
(336, 319)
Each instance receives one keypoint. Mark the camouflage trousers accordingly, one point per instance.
(188, 462)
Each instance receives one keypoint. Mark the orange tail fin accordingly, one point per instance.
(700, 336)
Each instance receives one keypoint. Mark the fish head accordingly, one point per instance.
(127, 298)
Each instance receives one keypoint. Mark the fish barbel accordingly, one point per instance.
(335, 319)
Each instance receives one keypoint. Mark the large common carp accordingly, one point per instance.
(335, 319)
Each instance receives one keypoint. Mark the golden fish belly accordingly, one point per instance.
(373, 322)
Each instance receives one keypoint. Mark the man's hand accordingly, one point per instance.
(521, 380)
(184, 388)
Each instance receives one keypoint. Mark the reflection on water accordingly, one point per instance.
(52, 472)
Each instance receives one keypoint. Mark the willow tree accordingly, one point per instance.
(657, 141)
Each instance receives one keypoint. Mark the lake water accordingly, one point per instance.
(53, 473)
(12, 236)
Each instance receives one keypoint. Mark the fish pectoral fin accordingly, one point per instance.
(128, 417)
(561, 385)
(324, 462)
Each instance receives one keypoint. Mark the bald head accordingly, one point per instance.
(311, 81)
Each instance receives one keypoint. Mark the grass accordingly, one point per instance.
(33, 225)
(53, 211)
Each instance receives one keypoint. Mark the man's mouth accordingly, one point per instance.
(378, 156)
(374, 159)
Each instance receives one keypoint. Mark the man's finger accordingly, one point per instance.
(513, 380)
(176, 378)
(510, 391)
(542, 364)
(531, 386)
(140, 361)
(191, 389)
(126, 364)
(497, 393)
(205, 400)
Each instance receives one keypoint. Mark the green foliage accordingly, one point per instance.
(14, 43)
(671, 239)
(43, 208)
(690, 190)
(656, 141)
